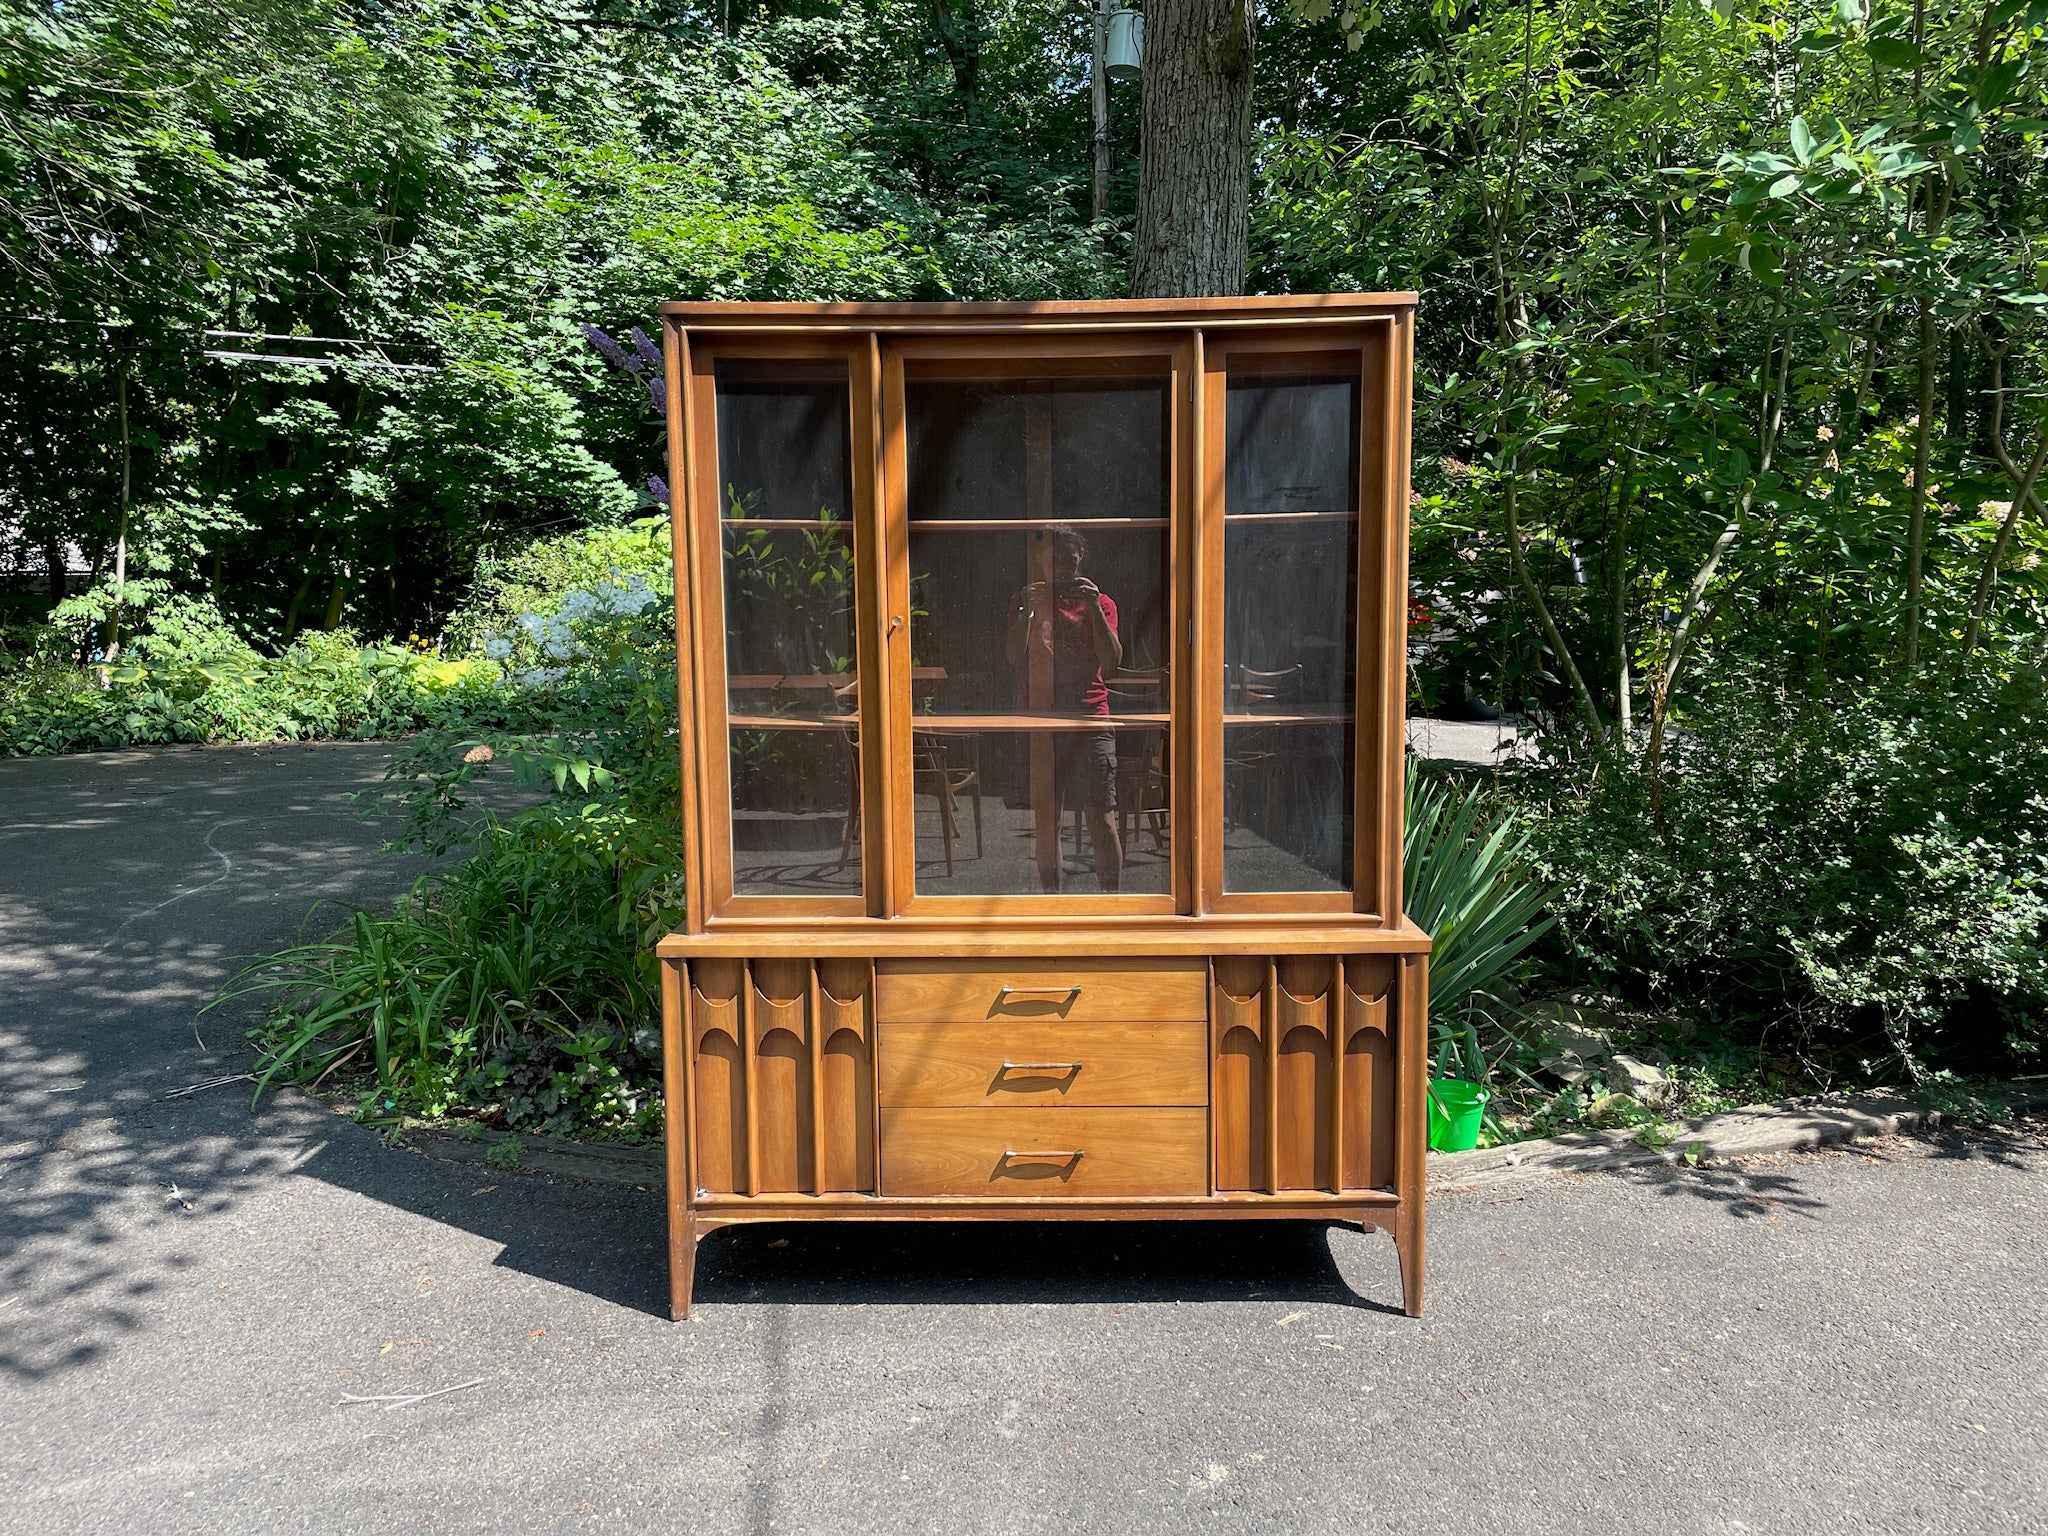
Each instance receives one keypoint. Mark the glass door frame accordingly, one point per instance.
(701, 623)
(1380, 698)
(1197, 357)
(1154, 352)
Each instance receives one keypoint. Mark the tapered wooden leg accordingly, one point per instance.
(682, 1259)
(1408, 1244)
(1412, 1122)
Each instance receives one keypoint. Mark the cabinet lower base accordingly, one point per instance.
(1157, 1084)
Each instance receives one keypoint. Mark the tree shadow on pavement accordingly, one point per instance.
(130, 882)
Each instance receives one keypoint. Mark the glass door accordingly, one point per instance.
(782, 504)
(1286, 440)
(1032, 712)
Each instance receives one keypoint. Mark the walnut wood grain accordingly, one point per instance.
(1077, 991)
(1045, 1154)
(1012, 1063)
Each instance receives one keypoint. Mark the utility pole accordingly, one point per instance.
(1098, 92)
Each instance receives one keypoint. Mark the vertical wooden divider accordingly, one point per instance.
(892, 629)
(1207, 712)
(816, 1021)
(1185, 789)
(1381, 701)
(1270, 1027)
(703, 536)
(1336, 1016)
(676, 374)
(749, 1049)
(872, 604)
(1400, 371)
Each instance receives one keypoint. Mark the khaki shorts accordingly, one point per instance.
(1084, 769)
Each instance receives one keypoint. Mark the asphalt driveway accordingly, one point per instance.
(192, 1292)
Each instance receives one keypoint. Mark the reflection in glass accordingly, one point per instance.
(1290, 623)
(795, 811)
(1287, 807)
(785, 440)
(1033, 448)
(1040, 582)
(1290, 443)
(986, 840)
(785, 456)
(967, 587)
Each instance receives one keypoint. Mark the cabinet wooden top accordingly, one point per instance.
(1084, 314)
(1022, 936)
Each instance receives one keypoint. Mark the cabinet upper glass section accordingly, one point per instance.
(1029, 612)
(1040, 582)
(1290, 621)
(786, 492)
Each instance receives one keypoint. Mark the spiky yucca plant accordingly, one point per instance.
(1467, 886)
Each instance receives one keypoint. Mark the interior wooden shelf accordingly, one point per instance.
(1289, 517)
(1307, 717)
(1034, 722)
(954, 725)
(977, 524)
(840, 723)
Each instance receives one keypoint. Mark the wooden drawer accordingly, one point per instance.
(1022, 1062)
(1045, 1153)
(1077, 991)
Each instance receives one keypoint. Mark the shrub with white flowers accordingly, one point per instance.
(563, 635)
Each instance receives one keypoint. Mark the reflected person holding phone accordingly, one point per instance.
(1062, 639)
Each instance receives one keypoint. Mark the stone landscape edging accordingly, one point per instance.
(1755, 1131)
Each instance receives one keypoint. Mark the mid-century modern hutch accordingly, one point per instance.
(1041, 670)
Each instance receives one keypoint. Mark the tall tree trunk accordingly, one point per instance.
(1194, 177)
(112, 649)
(960, 35)
(1916, 521)
(1098, 106)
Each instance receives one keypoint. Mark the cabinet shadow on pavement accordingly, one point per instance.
(611, 1243)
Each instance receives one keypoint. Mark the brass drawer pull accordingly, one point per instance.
(1065, 997)
(1059, 1165)
(1040, 1068)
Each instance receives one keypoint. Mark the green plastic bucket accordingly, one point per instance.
(1455, 1110)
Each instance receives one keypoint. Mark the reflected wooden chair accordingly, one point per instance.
(932, 773)
(1258, 760)
(1141, 798)
(933, 770)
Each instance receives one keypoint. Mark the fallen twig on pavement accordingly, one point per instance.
(211, 1082)
(392, 1400)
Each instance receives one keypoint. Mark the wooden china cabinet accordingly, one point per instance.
(1041, 671)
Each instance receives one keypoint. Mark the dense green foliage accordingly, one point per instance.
(409, 210)
(1864, 880)
(1467, 883)
(195, 682)
(1730, 412)
(522, 983)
